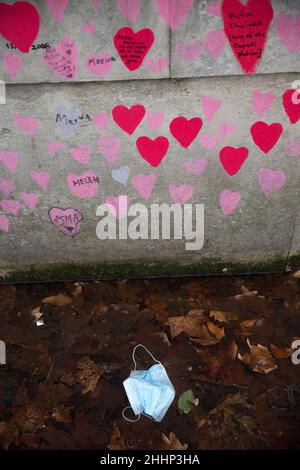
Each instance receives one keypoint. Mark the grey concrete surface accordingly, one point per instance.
(261, 228)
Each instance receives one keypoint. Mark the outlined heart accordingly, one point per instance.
(19, 24)
(241, 20)
(291, 104)
(66, 220)
(133, 47)
(233, 158)
(153, 150)
(128, 119)
(185, 130)
(266, 136)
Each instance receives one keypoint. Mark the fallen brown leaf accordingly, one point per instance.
(259, 359)
(59, 300)
(88, 375)
(172, 442)
(190, 324)
(281, 353)
(7, 298)
(116, 441)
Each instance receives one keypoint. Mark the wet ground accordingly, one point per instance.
(226, 343)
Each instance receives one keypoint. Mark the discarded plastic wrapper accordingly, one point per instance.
(150, 392)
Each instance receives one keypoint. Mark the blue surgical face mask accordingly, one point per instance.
(150, 392)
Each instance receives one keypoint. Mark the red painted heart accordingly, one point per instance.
(266, 136)
(19, 24)
(153, 151)
(185, 130)
(233, 158)
(133, 47)
(291, 103)
(128, 118)
(246, 27)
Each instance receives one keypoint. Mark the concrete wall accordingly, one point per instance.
(252, 218)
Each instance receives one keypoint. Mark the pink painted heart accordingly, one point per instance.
(182, 193)
(30, 200)
(294, 149)
(215, 42)
(197, 167)
(99, 65)
(41, 178)
(229, 201)
(208, 141)
(63, 59)
(96, 5)
(27, 124)
(84, 186)
(54, 147)
(66, 220)
(89, 27)
(110, 149)
(287, 28)
(174, 12)
(10, 160)
(157, 65)
(210, 106)
(154, 120)
(57, 8)
(10, 206)
(12, 63)
(262, 102)
(225, 129)
(270, 180)
(118, 205)
(130, 9)
(101, 120)
(4, 223)
(81, 154)
(144, 184)
(189, 51)
(215, 9)
(7, 186)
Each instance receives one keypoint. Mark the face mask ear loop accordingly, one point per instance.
(142, 346)
(128, 419)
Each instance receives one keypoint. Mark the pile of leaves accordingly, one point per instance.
(226, 343)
